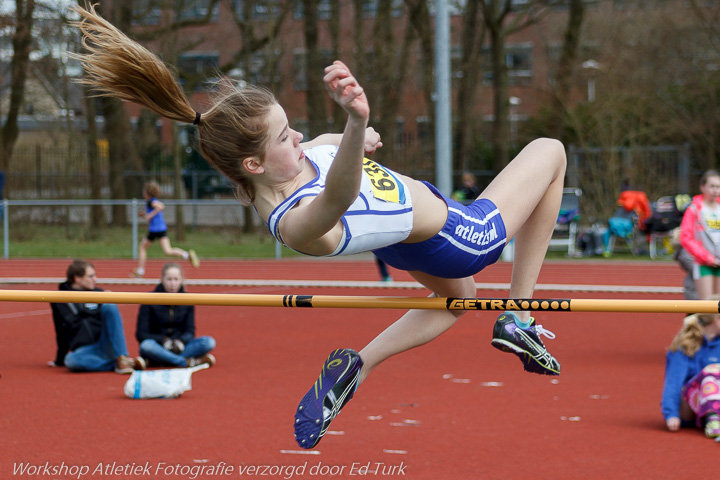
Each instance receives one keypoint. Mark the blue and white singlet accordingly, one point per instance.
(381, 214)
(381, 218)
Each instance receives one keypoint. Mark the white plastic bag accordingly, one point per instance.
(164, 383)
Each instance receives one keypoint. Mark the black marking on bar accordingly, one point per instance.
(510, 304)
(297, 301)
(303, 301)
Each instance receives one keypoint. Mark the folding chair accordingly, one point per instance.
(666, 217)
(622, 225)
(634, 208)
(565, 233)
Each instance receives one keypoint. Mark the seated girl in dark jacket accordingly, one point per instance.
(167, 332)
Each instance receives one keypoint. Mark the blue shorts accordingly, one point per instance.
(473, 238)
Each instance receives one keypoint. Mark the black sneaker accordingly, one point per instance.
(526, 344)
(332, 390)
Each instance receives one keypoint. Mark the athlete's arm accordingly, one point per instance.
(311, 222)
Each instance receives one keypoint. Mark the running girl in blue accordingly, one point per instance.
(157, 230)
(331, 200)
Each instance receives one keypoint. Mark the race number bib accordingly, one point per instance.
(385, 186)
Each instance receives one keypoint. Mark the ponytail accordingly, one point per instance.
(234, 128)
(119, 67)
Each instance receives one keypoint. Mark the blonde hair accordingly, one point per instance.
(234, 128)
(690, 337)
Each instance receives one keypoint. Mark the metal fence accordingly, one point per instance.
(602, 174)
(198, 213)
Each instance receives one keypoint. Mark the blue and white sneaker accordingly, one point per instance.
(526, 344)
(334, 387)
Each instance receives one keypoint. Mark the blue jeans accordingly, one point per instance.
(100, 356)
(155, 352)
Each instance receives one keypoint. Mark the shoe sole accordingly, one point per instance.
(310, 425)
(505, 346)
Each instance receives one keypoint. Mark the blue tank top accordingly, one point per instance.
(381, 215)
(157, 223)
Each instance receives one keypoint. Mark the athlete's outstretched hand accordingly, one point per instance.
(345, 90)
(372, 140)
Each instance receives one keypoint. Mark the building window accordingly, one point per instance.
(424, 128)
(518, 60)
(146, 12)
(324, 10)
(195, 10)
(554, 51)
(637, 4)
(263, 69)
(300, 67)
(456, 72)
(198, 63)
(400, 132)
(370, 8)
(261, 10)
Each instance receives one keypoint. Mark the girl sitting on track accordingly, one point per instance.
(691, 391)
(330, 200)
(166, 333)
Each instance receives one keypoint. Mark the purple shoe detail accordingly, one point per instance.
(334, 387)
(525, 344)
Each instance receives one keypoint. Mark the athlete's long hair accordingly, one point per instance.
(234, 128)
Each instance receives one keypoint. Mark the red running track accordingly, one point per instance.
(453, 409)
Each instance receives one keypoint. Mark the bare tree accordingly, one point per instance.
(121, 147)
(566, 67)
(502, 19)
(314, 63)
(256, 37)
(419, 18)
(389, 66)
(22, 44)
(473, 36)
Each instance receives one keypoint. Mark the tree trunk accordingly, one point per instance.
(97, 214)
(180, 229)
(315, 99)
(121, 149)
(419, 17)
(466, 126)
(501, 126)
(22, 44)
(122, 152)
(566, 67)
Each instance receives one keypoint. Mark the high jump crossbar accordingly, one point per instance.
(337, 301)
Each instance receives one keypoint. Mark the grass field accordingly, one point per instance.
(39, 241)
(78, 241)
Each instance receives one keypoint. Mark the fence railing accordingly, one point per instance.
(199, 213)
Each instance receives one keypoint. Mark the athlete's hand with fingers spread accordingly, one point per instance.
(372, 140)
(345, 90)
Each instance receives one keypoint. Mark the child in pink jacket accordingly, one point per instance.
(700, 235)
